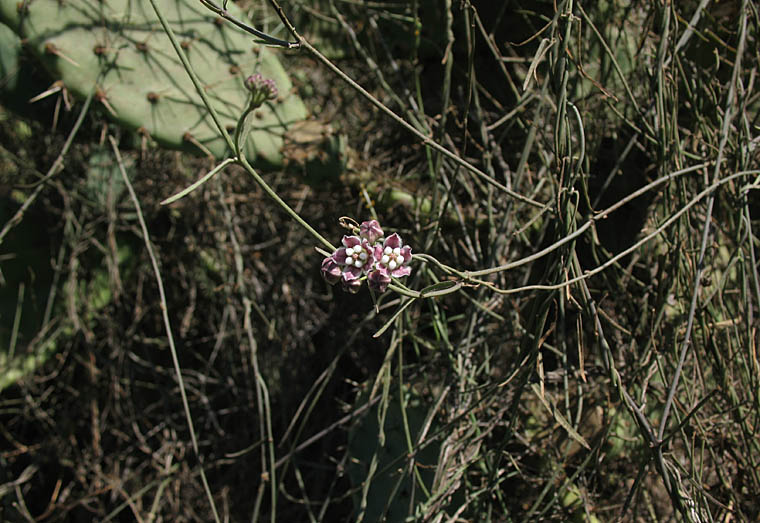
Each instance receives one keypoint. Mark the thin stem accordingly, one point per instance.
(426, 140)
(469, 277)
(242, 25)
(167, 323)
(223, 131)
(276, 197)
(204, 179)
(193, 77)
(57, 166)
(727, 119)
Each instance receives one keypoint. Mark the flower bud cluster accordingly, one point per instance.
(368, 256)
(261, 89)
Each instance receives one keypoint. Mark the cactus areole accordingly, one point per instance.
(118, 49)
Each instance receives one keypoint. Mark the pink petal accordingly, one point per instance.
(406, 252)
(393, 241)
(371, 230)
(351, 286)
(351, 273)
(331, 271)
(340, 256)
(404, 270)
(351, 241)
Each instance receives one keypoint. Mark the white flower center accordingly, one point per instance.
(356, 256)
(392, 258)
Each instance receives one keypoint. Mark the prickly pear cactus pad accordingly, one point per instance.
(119, 49)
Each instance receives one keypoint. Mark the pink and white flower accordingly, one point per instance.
(356, 256)
(391, 261)
(393, 256)
(364, 256)
(349, 263)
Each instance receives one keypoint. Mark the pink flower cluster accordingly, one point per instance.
(368, 254)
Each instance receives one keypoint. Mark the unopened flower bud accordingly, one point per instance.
(331, 271)
(378, 280)
(262, 89)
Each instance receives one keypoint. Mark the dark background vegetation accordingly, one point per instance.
(485, 396)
